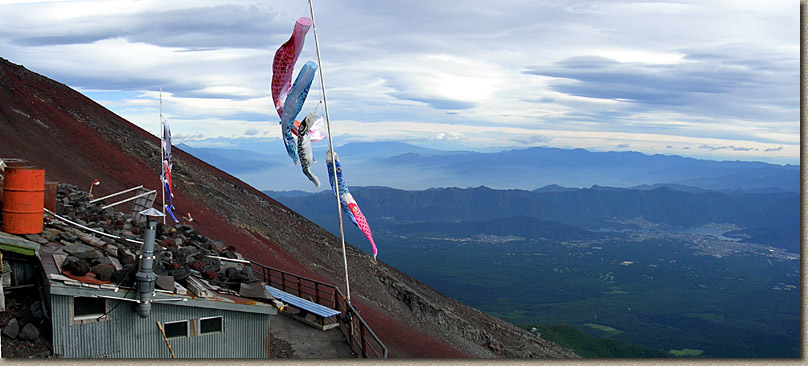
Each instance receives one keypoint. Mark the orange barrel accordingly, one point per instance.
(10, 162)
(24, 197)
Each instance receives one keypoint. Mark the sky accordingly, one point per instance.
(706, 79)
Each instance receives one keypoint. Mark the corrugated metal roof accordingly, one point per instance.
(18, 244)
(214, 302)
(60, 285)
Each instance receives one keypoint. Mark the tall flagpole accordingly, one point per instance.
(331, 150)
(162, 155)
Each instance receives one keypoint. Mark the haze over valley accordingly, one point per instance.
(675, 258)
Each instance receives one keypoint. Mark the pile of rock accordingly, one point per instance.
(29, 331)
(181, 251)
(23, 323)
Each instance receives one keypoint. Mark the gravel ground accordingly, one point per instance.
(18, 306)
(280, 348)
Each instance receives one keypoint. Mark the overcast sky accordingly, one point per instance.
(709, 79)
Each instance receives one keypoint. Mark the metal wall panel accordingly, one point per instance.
(125, 335)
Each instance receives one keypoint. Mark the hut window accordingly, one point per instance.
(176, 329)
(89, 309)
(211, 325)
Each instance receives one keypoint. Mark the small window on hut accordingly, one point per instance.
(176, 329)
(210, 325)
(88, 309)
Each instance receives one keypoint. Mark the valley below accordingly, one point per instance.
(668, 291)
(705, 264)
(690, 291)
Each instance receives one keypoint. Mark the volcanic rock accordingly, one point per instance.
(12, 329)
(68, 236)
(36, 238)
(210, 275)
(198, 266)
(255, 291)
(29, 332)
(82, 251)
(180, 273)
(78, 267)
(36, 309)
(110, 250)
(165, 283)
(103, 272)
(125, 275)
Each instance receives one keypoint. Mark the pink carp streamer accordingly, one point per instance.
(284, 64)
(361, 222)
(346, 198)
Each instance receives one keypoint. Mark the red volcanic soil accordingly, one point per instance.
(406, 338)
(38, 122)
(77, 140)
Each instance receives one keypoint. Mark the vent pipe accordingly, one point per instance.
(145, 275)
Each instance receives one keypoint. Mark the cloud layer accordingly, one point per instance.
(716, 79)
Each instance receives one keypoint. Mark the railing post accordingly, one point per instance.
(350, 333)
(283, 281)
(356, 321)
(299, 288)
(362, 340)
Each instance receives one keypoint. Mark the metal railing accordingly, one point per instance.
(362, 340)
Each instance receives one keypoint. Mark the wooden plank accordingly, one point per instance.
(163, 333)
(58, 259)
(197, 287)
(179, 290)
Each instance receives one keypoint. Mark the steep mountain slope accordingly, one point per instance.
(76, 140)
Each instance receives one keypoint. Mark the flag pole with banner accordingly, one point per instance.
(162, 156)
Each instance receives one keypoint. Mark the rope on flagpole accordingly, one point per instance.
(331, 150)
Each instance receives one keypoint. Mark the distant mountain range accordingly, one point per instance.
(771, 218)
(234, 161)
(404, 166)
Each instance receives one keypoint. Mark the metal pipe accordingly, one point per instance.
(93, 230)
(115, 194)
(145, 276)
(127, 200)
(229, 259)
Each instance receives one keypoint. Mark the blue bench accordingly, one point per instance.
(306, 307)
